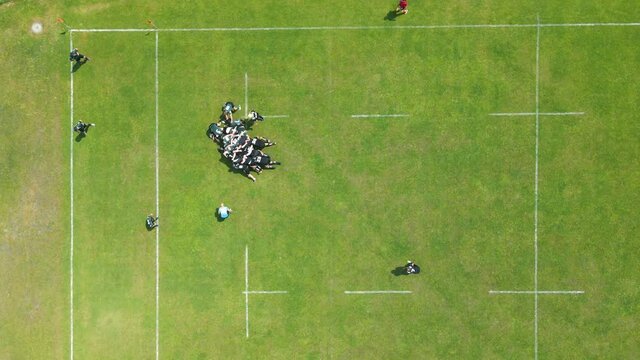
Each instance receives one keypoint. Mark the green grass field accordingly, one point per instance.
(449, 186)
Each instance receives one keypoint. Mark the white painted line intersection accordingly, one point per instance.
(247, 292)
(538, 114)
(530, 292)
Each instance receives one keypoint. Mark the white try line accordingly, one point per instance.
(157, 215)
(71, 201)
(535, 212)
(246, 288)
(362, 292)
(379, 115)
(552, 292)
(538, 114)
(265, 292)
(390, 28)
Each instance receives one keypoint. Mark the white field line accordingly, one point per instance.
(246, 94)
(552, 292)
(535, 212)
(274, 116)
(266, 292)
(71, 201)
(362, 292)
(540, 114)
(157, 215)
(246, 287)
(378, 115)
(325, 28)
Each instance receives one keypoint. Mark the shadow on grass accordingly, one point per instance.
(80, 137)
(399, 271)
(391, 15)
(77, 65)
(229, 165)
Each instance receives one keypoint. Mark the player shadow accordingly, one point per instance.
(391, 15)
(399, 271)
(80, 136)
(77, 65)
(229, 165)
(248, 124)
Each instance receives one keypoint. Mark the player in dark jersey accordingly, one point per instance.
(261, 161)
(77, 57)
(244, 166)
(253, 117)
(260, 142)
(215, 132)
(151, 222)
(82, 127)
(412, 268)
(227, 111)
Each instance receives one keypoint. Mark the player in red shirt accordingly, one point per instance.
(402, 7)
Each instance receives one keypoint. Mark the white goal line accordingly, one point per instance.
(310, 28)
(265, 292)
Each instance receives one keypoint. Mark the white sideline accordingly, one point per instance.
(157, 215)
(378, 115)
(360, 292)
(265, 292)
(553, 292)
(540, 114)
(246, 287)
(310, 28)
(535, 213)
(71, 201)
